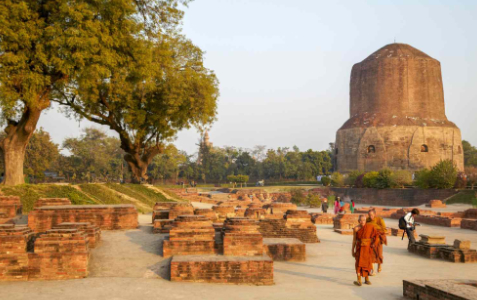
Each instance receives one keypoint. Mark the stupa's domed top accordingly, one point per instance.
(398, 51)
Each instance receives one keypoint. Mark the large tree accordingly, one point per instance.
(158, 87)
(44, 47)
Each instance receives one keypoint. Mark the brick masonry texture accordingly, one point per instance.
(397, 107)
(10, 207)
(93, 233)
(106, 217)
(297, 224)
(469, 224)
(322, 218)
(252, 270)
(446, 252)
(242, 238)
(345, 221)
(285, 249)
(440, 289)
(54, 255)
(392, 197)
(190, 235)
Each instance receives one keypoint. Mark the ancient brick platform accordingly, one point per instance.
(13, 252)
(252, 270)
(223, 212)
(468, 224)
(297, 224)
(436, 204)
(281, 208)
(435, 248)
(59, 254)
(180, 209)
(345, 221)
(322, 218)
(255, 212)
(52, 202)
(380, 211)
(93, 233)
(106, 217)
(240, 212)
(285, 249)
(242, 238)
(190, 235)
(442, 289)
(207, 212)
(10, 207)
(162, 225)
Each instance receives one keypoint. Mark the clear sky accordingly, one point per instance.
(284, 66)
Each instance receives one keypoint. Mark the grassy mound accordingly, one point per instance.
(30, 193)
(465, 197)
(139, 192)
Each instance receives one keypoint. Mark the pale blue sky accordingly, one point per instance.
(284, 66)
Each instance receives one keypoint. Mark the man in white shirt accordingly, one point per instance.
(410, 224)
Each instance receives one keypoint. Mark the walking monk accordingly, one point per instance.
(380, 227)
(364, 239)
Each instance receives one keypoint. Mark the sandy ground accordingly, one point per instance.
(128, 265)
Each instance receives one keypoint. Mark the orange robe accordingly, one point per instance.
(380, 226)
(365, 241)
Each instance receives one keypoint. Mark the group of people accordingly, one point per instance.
(339, 206)
(368, 240)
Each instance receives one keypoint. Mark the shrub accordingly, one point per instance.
(401, 178)
(422, 178)
(383, 181)
(325, 180)
(471, 173)
(337, 179)
(352, 176)
(297, 196)
(443, 175)
(313, 200)
(370, 179)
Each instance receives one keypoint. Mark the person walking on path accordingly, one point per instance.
(324, 205)
(364, 240)
(410, 224)
(337, 205)
(380, 227)
(341, 209)
(351, 207)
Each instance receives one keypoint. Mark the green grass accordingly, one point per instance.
(465, 197)
(171, 194)
(141, 193)
(30, 193)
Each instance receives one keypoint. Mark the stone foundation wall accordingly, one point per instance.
(106, 217)
(393, 197)
(51, 202)
(442, 289)
(221, 269)
(285, 249)
(10, 207)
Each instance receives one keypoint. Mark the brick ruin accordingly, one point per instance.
(436, 204)
(464, 219)
(10, 208)
(93, 233)
(443, 289)
(344, 223)
(241, 237)
(434, 247)
(322, 218)
(296, 224)
(106, 217)
(54, 255)
(190, 235)
(284, 249)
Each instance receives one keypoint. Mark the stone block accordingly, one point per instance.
(285, 249)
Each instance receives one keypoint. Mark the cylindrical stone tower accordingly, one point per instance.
(397, 114)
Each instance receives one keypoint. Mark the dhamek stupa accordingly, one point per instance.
(397, 114)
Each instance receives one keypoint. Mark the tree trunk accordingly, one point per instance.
(14, 145)
(137, 166)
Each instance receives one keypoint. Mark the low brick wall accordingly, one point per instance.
(468, 224)
(93, 233)
(285, 249)
(52, 202)
(106, 217)
(242, 238)
(443, 289)
(393, 197)
(252, 270)
(10, 207)
(13, 252)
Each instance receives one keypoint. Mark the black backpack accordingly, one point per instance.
(402, 223)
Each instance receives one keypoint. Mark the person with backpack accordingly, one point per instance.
(408, 224)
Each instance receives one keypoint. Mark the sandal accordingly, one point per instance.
(357, 283)
(380, 270)
(368, 282)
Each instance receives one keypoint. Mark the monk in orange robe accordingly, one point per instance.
(380, 226)
(364, 239)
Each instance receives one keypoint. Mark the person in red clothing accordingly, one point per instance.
(364, 240)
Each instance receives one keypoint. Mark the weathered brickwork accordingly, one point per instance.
(397, 114)
(223, 212)
(255, 212)
(253, 270)
(297, 224)
(468, 224)
(190, 235)
(278, 207)
(345, 221)
(93, 233)
(242, 238)
(322, 218)
(435, 248)
(10, 207)
(436, 204)
(13, 252)
(440, 289)
(107, 217)
(285, 249)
